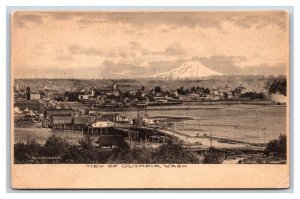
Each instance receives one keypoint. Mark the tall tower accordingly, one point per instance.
(114, 86)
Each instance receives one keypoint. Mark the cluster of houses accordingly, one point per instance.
(214, 95)
(90, 108)
(67, 119)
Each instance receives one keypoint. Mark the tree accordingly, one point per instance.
(28, 89)
(28, 93)
(174, 153)
(84, 153)
(25, 153)
(206, 91)
(72, 96)
(213, 157)
(136, 155)
(277, 146)
(183, 91)
(193, 89)
(278, 85)
(55, 146)
(157, 89)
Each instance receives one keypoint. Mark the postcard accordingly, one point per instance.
(150, 99)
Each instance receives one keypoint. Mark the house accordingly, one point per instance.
(22, 104)
(102, 124)
(114, 117)
(35, 96)
(215, 97)
(101, 97)
(75, 106)
(120, 118)
(82, 91)
(194, 96)
(162, 101)
(83, 96)
(29, 112)
(111, 141)
(90, 112)
(229, 95)
(149, 121)
(116, 93)
(17, 110)
(214, 92)
(60, 122)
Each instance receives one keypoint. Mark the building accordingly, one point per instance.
(149, 121)
(66, 122)
(120, 118)
(75, 106)
(83, 97)
(34, 96)
(23, 104)
(58, 112)
(215, 97)
(60, 122)
(116, 93)
(162, 101)
(229, 95)
(80, 122)
(17, 110)
(102, 124)
(114, 117)
(91, 112)
(114, 86)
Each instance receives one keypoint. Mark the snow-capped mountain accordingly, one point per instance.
(190, 70)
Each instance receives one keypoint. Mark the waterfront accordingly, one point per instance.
(249, 123)
(243, 122)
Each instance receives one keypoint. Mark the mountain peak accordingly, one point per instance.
(191, 70)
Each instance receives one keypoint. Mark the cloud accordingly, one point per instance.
(172, 19)
(21, 19)
(262, 19)
(78, 50)
(221, 63)
(227, 65)
(175, 49)
(171, 50)
(64, 58)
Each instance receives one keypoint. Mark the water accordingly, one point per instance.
(253, 123)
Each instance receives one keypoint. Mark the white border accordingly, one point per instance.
(4, 81)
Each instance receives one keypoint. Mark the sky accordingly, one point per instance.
(135, 44)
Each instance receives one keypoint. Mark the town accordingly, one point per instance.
(103, 112)
(77, 109)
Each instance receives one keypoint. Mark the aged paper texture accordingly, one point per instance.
(150, 99)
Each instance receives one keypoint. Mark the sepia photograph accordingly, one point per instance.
(147, 89)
